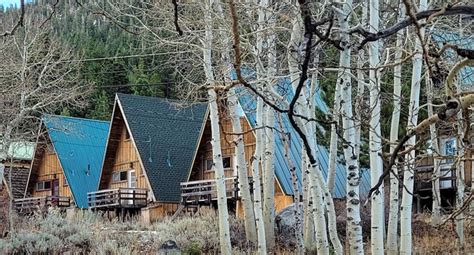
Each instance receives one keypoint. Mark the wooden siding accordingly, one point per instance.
(49, 169)
(126, 158)
(199, 171)
(205, 149)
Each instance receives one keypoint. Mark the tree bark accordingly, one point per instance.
(257, 191)
(406, 246)
(352, 166)
(375, 137)
(224, 232)
(240, 164)
(392, 232)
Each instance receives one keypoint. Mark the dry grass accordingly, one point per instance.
(440, 240)
(90, 233)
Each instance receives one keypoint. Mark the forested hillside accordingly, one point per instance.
(111, 59)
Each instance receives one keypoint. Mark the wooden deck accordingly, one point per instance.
(205, 191)
(31, 204)
(132, 198)
(424, 177)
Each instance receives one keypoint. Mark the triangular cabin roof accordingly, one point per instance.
(166, 137)
(79, 145)
(282, 168)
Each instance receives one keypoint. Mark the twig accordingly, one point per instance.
(176, 24)
(20, 21)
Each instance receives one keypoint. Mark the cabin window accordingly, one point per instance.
(127, 135)
(209, 164)
(119, 176)
(449, 149)
(226, 162)
(43, 185)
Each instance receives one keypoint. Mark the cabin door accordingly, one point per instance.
(55, 188)
(55, 191)
(132, 183)
(132, 179)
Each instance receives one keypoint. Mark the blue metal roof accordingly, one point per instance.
(466, 41)
(282, 172)
(80, 145)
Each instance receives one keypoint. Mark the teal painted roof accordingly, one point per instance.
(167, 137)
(282, 166)
(466, 41)
(80, 145)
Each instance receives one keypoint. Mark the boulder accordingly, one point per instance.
(285, 222)
(169, 248)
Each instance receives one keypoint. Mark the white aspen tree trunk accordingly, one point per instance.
(436, 203)
(460, 167)
(354, 227)
(240, 164)
(406, 245)
(317, 210)
(375, 137)
(308, 234)
(269, 166)
(224, 232)
(392, 232)
(333, 140)
(302, 106)
(459, 220)
(361, 83)
(263, 236)
(257, 191)
(269, 180)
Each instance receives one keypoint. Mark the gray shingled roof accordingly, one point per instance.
(166, 137)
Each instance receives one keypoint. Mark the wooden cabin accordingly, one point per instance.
(66, 165)
(16, 167)
(158, 160)
(14, 171)
(447, 156)
(150, 150)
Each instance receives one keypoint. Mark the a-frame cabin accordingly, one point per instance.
(66, 164)
(159, 156)
(150, 150)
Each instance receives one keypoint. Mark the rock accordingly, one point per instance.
(169, 248)
(285, 222)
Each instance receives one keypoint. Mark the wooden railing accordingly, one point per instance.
(118, 198)
(424, 177)
(206, 190)
(30, 204)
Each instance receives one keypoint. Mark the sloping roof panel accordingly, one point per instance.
(248, 104)
(79, 144)
(167, 137)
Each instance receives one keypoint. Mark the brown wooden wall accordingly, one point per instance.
(205, 152)
(126, 158)
(49, 168)
(205, 149)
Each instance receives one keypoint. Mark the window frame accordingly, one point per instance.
(121, 174)
(44, 188)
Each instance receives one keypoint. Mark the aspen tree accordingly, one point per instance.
(375, 136)
(218, 167)
(352, 165)
(392, 230)
(240, 162)
(406, 246)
